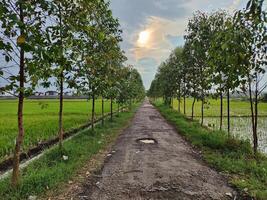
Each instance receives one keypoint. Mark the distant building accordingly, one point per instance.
(39, 94)
(51, 93)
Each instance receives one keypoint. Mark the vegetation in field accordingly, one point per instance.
(41, 120)
(222, 54)
(51, 170)
(240, 118)
(239, 108)
(233, 157)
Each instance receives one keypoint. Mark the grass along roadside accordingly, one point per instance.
(51, 170)
(229, 155)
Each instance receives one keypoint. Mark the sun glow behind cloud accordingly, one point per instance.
(143, 38)
(152, 40)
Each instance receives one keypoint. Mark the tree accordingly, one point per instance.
(179, 69)
(191, 79)
(251, 23)
(216, 58)
(223, 53)
(198, 36)
(21, 42)
(116, 58)
(59, 41)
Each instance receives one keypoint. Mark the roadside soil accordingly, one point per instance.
(167, 169)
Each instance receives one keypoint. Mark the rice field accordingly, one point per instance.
(240, 118)
(41, 120)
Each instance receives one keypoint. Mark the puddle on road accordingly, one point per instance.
(147, 141)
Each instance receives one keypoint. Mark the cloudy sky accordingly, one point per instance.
(152, 28)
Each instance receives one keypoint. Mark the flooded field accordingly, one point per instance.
(241, 128)
(240, 118)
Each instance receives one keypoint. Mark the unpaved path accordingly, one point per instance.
(169, 169)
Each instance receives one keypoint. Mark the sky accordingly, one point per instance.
(153, 28)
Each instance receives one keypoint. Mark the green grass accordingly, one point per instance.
(51, 170)
(41, 120)
(212, 108)
(229, 155)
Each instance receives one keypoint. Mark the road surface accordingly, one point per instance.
(169, 168)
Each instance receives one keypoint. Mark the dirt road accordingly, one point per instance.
(166, 169)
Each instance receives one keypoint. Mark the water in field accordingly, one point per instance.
(240, 120)
(241, 128)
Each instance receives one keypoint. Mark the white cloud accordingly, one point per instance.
(157, 46)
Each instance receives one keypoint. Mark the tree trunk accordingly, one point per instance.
(19, 140)
(221, 111)
(60, 121)
(202, 94)
(202, 111)
(184, 97)
(93, 111)
(255, 132)
(118, 108)
(111, 109)
(193, 105)
(179, 104)
(251, 107)
(60, 114)
(103, 111)
(228, 112)
(179, 99)
(184, 104)
(254, 116)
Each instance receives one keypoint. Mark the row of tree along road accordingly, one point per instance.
(69, 43)
(222, 54)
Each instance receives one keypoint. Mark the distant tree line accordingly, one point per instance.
(75, 43)
(222, 54)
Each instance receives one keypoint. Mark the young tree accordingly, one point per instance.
(116, 58)
(21, 42)
(59, 40)
(185, 73)
(223, 52)
(198, 35)
(216, 58)
(251, 48)
(178, 64)
(192, 77)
